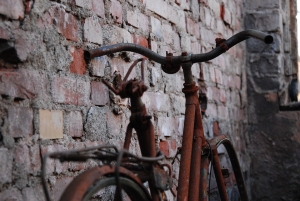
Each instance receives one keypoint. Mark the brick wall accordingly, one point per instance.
(273, 135)
(51, 99)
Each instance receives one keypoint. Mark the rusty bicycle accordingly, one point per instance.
(122, 175)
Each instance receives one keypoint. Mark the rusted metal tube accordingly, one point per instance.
(186, 152)
(218, 174)
(204, 177)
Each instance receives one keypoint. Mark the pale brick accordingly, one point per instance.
(180, 125)
(211, 110)
(6, 167)
(132, 18)
(84, 4)
(156, 28)
(160, 7)
(70, 91)
(93, 30)
(119, 35)
(143, 21)
(153, 46)
(12, 9)
(51, 124)
(116, 11)
(98, 65)
(75, 124)
(227, 16)
(207, 35)
(215, 6)
(186, 43)
(167, 126)
(219, 77)
(222, 112)
(167, 33)
(24, 84)
(20, 122)
(98, 8)
(157, 101)
(168, 147)
(176, 41)
(99, 93)
(193, 27)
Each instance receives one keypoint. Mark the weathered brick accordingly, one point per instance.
(78, 64)
(156, 28)
(60, 186)
(67, 24)
(132, 18)
(153, 45)
(70, 91)
(33, 193)
(167, 126)
(219, 77)
(157, 101)
(262, 5)
(6, 166)
(140, 40)
(84, 4)
(116, 11)
(227, 16)
(259, 20)
(180, 121)
(98, 65)
(11, 194)
(93, 30)
(119, 35)
(164, 147)
(176, 41)
(23, 84)
(211, 110)
(50, 164)
(22, 157)
(264, 65)
(222, 95)
(193, 27)
(12, 9)
(75, 124)
(215, 7)
(51, 124)
(98, 8)
(99, 94)
(207, 35)
(167, 33)
(186, 43)
(20, 121)
(35, 159)
(143, 21)
(222, 112)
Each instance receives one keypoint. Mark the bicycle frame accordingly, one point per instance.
(196, 152)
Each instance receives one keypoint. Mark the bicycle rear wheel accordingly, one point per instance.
(105, 189)
(99, 183)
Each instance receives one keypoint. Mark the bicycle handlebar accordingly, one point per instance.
(194, 58)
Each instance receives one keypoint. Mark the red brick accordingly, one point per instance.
(12, 9)
(98, 8)
(23, 84)
(75, 124)
(99, 93)
(93, 30)
(140, 41)
(67, 24)
(78, 65)
(20, 122)
(70, 91)
(21, 157)
(193, 27)
(164, 147)
(216, 128)
(116, 11)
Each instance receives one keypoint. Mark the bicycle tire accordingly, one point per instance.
(234, 183)
(133, 191)
(85, 185)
